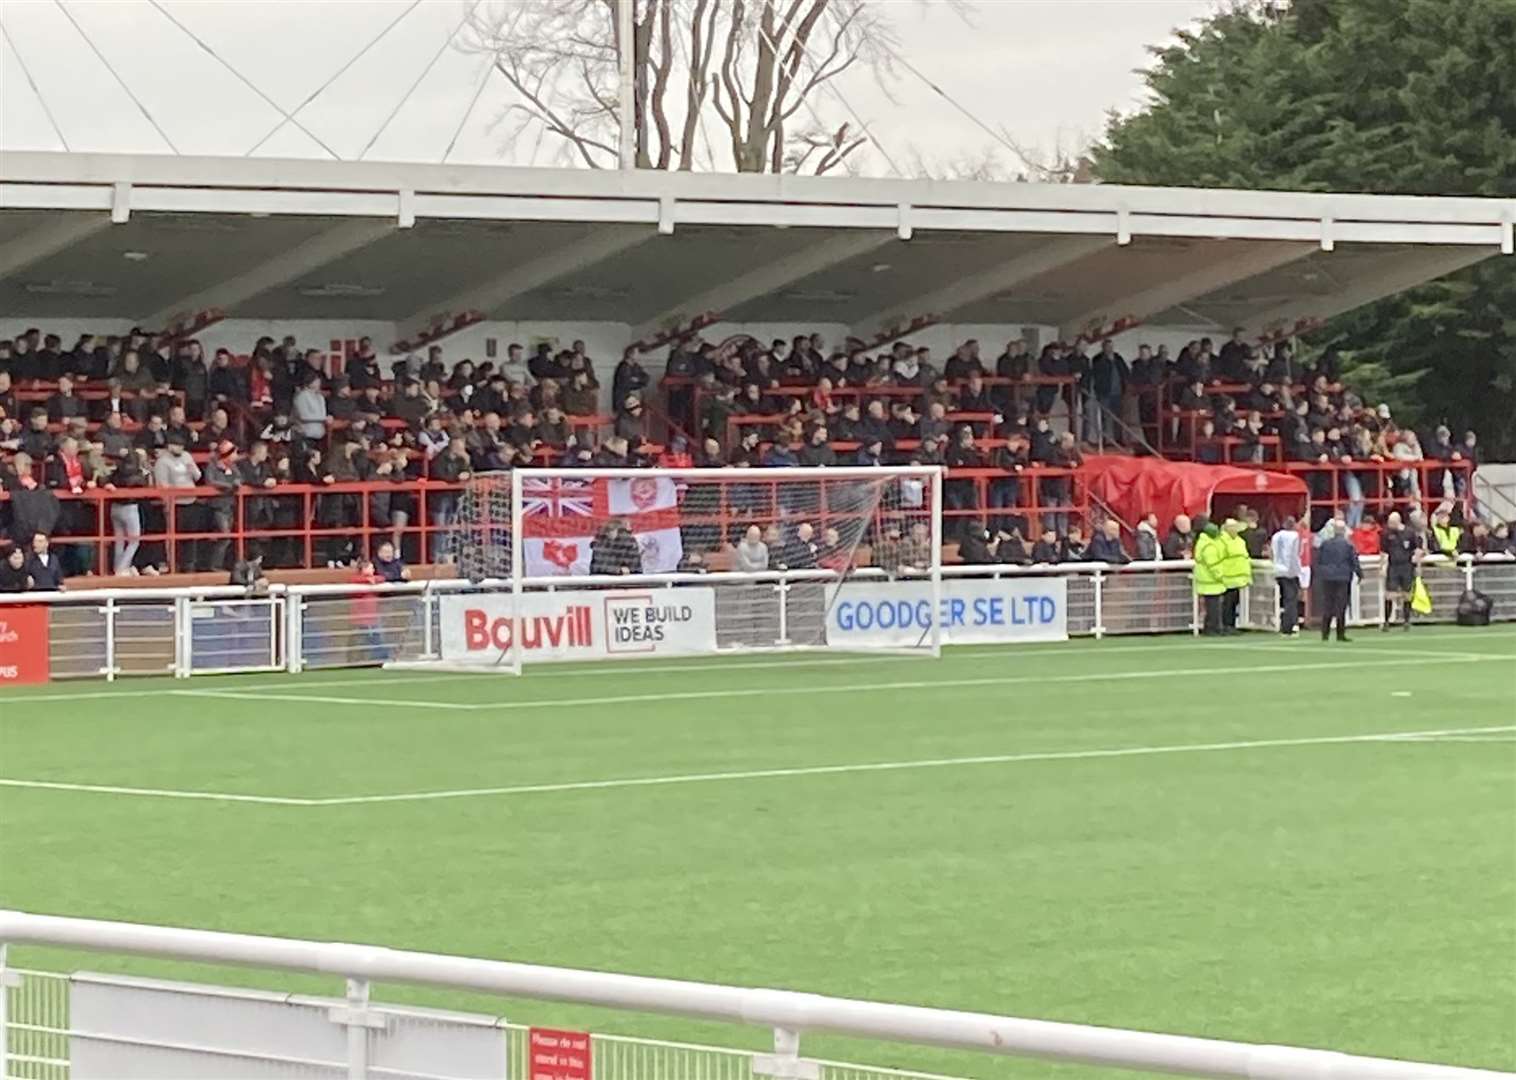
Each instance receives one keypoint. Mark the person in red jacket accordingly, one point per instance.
(363, 613)
(1366, 536)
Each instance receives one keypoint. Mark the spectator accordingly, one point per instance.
(1445, 534)
(1477, 541)
(798, 552)
(13, 575)
(64, 404)
(1146, 542)
(1011, 548)
(308, 410)
(631, 424)
(887, 553)
(1365, 536)
(977, 546)
(1072, 548)
(1284, 549)
(752, 553)
(43, 567)
(222, 473)
(1334, 567)
(37, 441)
(388, 564)
(916, 549)
(33, 507)
(818, 450)
(176, 469)
(1045, 550)
(614, 550)
(248, 573)
(831, 553)
(126, 513)
(1180, 542)
(580, 397)
(1105, 545)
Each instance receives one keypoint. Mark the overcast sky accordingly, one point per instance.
(1047, 70)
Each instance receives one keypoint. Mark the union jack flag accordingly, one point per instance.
(558, 498)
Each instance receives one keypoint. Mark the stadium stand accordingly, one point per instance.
(311, 460)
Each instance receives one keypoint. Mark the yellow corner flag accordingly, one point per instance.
(1421, 599)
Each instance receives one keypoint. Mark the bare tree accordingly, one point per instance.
(754, 70)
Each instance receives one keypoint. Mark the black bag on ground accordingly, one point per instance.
(1474, 608)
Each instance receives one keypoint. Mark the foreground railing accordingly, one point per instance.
(211, 630)
(124, 1019)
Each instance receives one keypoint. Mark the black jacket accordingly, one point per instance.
(47, 578)
(613, 553)
(13, 580)
(1107, 551)
(1336, 560)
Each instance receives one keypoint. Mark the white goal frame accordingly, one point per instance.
(512, 661)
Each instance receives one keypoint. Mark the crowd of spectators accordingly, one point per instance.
(138, 411)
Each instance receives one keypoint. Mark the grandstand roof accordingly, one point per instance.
(147, 237)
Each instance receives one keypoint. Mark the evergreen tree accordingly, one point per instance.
(1379, 96)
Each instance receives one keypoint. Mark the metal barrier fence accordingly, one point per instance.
(38, 1031)
(192, 631)
(86, 1027)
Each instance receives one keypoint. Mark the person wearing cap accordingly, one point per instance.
(1236, 572)
(221, 472)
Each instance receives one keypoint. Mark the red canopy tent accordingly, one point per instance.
(1133, 486)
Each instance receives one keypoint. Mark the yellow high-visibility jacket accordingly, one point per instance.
(1207, 573)
(1236, 563)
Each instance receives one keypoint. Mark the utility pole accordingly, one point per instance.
(626, 47)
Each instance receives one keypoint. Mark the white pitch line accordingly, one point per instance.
(159, 793)
(726, 662)
(849, 688)
(763, 774)
(321, 699)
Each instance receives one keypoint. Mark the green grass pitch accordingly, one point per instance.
(1166, 834)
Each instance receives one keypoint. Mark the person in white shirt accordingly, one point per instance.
(1284, 548)
(176, 469)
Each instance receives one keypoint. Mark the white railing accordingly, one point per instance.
(789, 1015)
(203, 630)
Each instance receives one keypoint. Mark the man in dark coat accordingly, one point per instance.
(1333, 568)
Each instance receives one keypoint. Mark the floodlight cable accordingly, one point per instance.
(26, 71)
(419, 78)
(314, 94)
(116, 75)
(241, 77)
(489, 69)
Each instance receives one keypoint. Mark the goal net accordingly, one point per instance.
(591, 564)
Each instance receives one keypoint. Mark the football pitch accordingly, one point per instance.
(1257, 839)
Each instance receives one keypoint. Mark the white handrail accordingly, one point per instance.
(796, 1012)
(226, 592)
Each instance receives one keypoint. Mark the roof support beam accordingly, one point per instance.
(603, 243)
(1251, 261)
(1394, 273)
(768, 278)
(325, 247)
(959, 294)
(34, 245)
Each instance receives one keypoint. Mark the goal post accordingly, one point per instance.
(589, 564)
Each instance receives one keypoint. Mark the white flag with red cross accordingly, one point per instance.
(561, 515)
